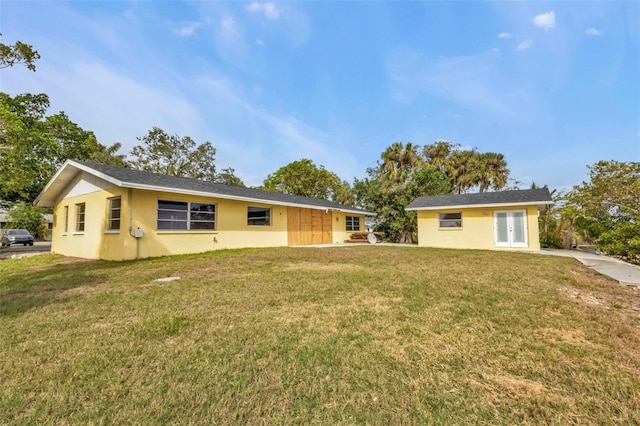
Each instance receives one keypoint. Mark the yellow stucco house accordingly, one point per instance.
(105, 212)
(504, 220)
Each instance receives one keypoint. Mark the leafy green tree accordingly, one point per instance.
(400, 176)
(110, 155)
(25, 149)
(622, 240)
(609, 207)
(70, 141)
(613, 186)
(228, 177)
(343, 193)
(304, 178)
(29, 217)
(173, 155)
(33, 146)
(18, 53)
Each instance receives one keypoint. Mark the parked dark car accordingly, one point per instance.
(16, 236)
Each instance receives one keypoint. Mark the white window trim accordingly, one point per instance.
(110, 219)
(449, 228)
(346, 219)
(84, 218)
(188, 220)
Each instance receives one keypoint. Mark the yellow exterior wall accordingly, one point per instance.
(139, 210)
(91, 243)
(231, 231)
(477, 230)
(340, 233)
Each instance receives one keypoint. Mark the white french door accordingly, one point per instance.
(510, 228)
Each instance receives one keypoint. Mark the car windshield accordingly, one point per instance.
(18, 232)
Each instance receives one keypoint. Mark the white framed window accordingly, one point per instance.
(258, 216)
(66, 219)
(114, 209)
(80, 213)
(353, 223)
(450, 220)
(183, 215)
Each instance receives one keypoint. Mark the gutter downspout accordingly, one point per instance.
(130, 196)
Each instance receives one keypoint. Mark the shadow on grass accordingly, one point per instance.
(31, 283)
(50, 284)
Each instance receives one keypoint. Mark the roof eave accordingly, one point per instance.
(540, 203)
(238, 198)
(43, 201)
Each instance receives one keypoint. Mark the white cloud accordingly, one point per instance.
(260, 42)
(593, 32)
(545, 21)
(524, 45)
(186, 29)
(233, 45)
(228, 27)
(268, 8)
(504, 35)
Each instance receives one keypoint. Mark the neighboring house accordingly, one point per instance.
(105, 212)
(505, 220)
(47, 221)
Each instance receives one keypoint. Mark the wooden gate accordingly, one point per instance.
(307, 226)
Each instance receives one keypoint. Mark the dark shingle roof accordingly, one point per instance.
(136, 178)
(525, 196)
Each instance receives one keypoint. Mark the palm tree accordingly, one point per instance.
(492, 171)
(399, 161)
(462, 168)
(438, 153)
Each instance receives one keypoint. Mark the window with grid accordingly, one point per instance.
(259, 216)
(450, 220)
(80, 210)
(353, 223)
(114, 214)
(182, 215)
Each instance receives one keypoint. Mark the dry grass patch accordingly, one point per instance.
(318, 267)
(350, 335)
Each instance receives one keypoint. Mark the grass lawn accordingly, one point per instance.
(345, 335)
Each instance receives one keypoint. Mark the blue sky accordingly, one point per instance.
(554, 86)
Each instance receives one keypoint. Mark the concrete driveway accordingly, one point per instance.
(623, 272)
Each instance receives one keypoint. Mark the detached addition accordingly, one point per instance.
(505, 220)
(105, 212)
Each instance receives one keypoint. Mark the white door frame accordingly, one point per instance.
(511, 217)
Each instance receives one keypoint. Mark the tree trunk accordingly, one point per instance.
(406, 237)
(567, 241)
